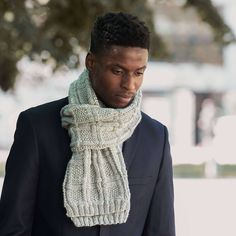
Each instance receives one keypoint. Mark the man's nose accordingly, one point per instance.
(128, 82)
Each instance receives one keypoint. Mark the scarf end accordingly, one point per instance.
(108, 219)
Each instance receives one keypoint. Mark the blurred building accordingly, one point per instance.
(188, 38)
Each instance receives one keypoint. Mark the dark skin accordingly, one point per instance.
(117, 73)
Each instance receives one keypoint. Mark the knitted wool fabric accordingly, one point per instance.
(95, 187)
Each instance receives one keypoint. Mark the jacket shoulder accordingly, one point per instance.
(150, 122)
(150, 127)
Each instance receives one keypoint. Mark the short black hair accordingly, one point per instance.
(118, 29)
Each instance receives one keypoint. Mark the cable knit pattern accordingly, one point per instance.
(95, 187)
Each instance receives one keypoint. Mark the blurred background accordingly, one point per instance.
(190, 86)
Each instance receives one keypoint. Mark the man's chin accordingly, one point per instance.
(123, 103)
(118, 103)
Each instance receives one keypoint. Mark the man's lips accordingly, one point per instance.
(125, 97)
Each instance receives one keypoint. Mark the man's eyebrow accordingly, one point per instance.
(122, 67)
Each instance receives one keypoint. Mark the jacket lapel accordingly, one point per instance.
(130, 147)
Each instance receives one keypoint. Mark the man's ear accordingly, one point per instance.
(90, 61)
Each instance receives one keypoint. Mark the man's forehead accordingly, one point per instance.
(123, 51)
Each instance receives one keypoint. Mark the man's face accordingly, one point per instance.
(117, 74)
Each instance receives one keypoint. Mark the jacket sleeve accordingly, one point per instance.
(20, 183)
(160, 220)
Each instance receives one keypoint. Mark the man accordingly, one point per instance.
(93, 163)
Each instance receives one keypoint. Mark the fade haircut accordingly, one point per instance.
(118, 29)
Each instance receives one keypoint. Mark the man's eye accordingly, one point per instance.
(139, 73)
(117, 72)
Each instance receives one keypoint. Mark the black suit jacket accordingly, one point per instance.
(32, 199)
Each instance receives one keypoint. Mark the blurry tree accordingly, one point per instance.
(209, 14)
(56, 30)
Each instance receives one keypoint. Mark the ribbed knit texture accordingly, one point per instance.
(95, 187)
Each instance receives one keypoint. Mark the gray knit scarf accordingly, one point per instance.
(95, 187)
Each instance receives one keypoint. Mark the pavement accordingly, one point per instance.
(205, 207)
